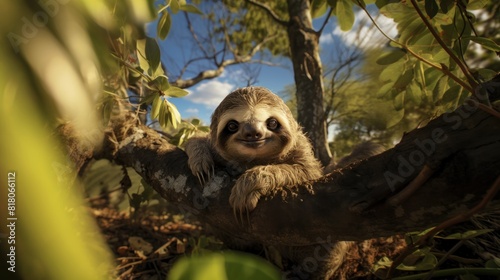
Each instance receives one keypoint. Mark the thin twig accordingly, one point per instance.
(444, 258)
(325, 22)
(485, 108)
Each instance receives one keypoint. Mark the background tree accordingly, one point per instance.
(238, 31)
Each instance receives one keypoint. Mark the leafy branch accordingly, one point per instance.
(452, 55)
(441, 67)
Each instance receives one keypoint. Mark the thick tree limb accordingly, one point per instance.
(462, 148)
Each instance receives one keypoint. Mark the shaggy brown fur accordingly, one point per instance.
(254, 133)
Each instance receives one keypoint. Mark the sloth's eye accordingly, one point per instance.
(272, 124)
(232, 126)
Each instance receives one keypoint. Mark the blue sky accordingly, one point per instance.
(205, 96)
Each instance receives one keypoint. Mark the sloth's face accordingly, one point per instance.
(253, 134)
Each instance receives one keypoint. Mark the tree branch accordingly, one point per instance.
(421, 58)
(269, 11)
(463, 67)
(214, 73)
(462, 147)
(330, 11)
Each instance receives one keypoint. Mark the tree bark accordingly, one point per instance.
(461, 147)
(308, 76)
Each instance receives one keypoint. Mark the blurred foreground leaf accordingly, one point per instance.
(229, 265)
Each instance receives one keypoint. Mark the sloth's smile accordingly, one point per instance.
(257, 143)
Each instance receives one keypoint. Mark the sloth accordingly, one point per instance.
(254, 135)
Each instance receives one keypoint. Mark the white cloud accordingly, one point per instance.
(364, 34)
(210, 93)
(192, 111)
(326, 38)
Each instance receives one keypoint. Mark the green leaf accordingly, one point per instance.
(399, 101)
(185, 135)
(332, 3)
(164, 25)
(134, 74)
(412, 30)
(148, 98)
(152, 54)
(430, 78)
(174, 6)
(493, 263)
(141, 54)
(190, 9)
(381, 266)
(445, 18)
(414, 236)
(162, 114)
(155, 107)
(229, 265)
(318, 8)
(143, 11)
(477, 4)
(345, 14)
(195, 122)
(382, 3)
(452, 94)
(441, 57)
(391, 57)
(176, 92)
(446, 5)
(486, 74)
(426, 261)
(461, 47)
(467, 235)
(414, 92)
(385, 90)
(175, 116)
(178, 140)
(485, 42)
(161, 83)
(204, 128)
(431, 8)
(392, 72)
(441, 88)
(404, 79)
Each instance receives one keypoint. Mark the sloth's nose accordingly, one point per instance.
(251, 132)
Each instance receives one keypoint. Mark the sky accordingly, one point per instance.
(204, 97)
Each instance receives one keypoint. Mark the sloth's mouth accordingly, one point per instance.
(254, 143)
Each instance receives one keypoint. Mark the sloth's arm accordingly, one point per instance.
(200, 158)
(271, 179)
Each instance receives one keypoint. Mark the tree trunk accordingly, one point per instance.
(308, 76)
